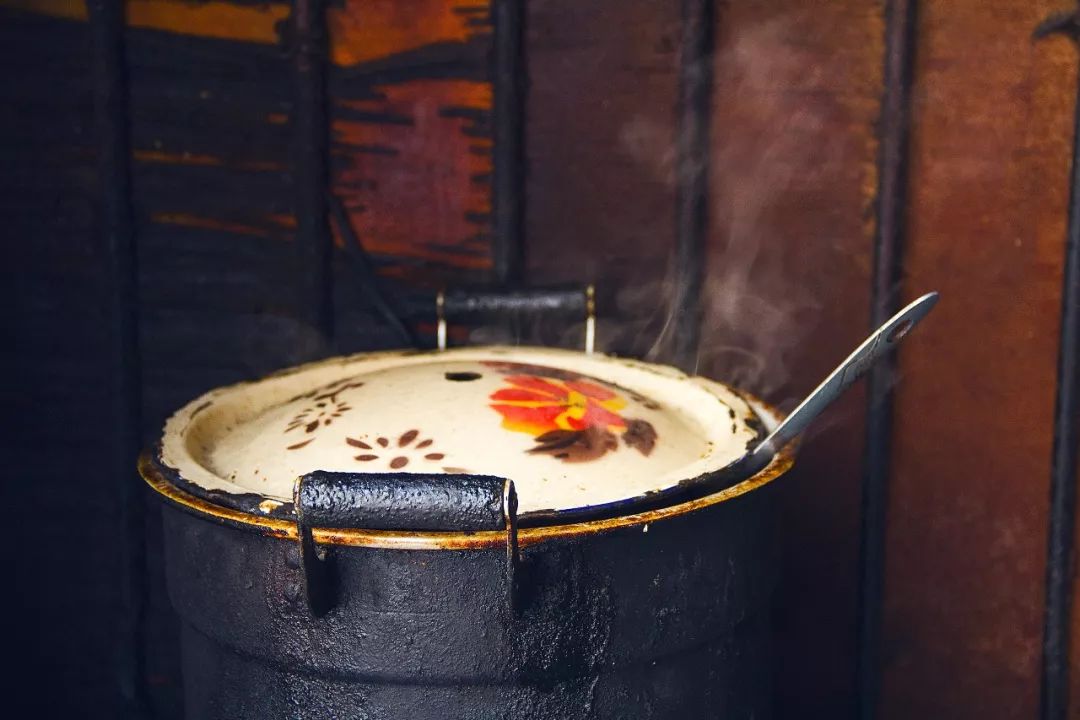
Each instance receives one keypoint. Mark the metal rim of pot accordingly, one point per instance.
(158, 477)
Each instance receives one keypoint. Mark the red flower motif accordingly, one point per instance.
(537, 405)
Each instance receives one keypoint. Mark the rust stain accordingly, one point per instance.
(197, 221)
(285, 221)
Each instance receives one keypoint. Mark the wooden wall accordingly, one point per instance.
(56, 357)
(796, 140)
(992, 140)
(795, 137)
(223, 281)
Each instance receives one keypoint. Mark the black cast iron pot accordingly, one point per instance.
(416, 590)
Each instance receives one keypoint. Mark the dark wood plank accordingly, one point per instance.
(786, 295)
(214, 202)
(309, 47)
(59, 447)
(792, 188)
(108, 68)
(510, 90)
(693, 162)
(885, 301)
(600, 157)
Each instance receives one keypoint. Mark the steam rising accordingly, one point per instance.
(774, 144)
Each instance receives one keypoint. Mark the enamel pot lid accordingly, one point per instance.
(581, 435)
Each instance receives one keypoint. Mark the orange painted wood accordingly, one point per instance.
(215, 19)
(410, 142)
(419, 190)
(970, 483)
(366, 30)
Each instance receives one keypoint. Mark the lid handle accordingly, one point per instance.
(464, 304)
(397, 501)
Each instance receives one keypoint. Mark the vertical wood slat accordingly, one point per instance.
(1054, 679)
(692, 176)
(884, 302)
(508, 191)
(968, 511)
(106, 18)
(312, 179)
(600, 145)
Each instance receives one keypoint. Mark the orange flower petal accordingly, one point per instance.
(540, 385)
(596, 416)
(520, 395)
(543, 416)
(590, 390)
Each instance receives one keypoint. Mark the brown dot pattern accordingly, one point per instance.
(407, 448)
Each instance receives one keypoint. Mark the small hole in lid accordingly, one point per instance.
(900, 331)
(463, 376)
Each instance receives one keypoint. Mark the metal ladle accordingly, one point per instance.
(851, 369)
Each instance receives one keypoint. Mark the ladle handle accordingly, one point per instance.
(854, 366)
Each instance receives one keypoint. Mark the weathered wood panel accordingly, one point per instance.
(213, 203)
(411, 128)
(213, 199)
(797, 93)
(798, 89)
(600, 145)
(411, 143)
(56, 445)
(970, 487)
(212, 101)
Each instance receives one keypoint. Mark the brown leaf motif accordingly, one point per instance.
(640, 435)
(576, 445)
(403, 452)
(323, 407)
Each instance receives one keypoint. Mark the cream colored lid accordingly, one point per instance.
(571, 430)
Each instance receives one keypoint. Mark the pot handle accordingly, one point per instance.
(463, 304)
(397, 501)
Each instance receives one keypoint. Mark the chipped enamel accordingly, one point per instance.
(572, 430)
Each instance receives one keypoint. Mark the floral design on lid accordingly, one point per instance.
(572, 418)
(397, 453)
(324, 407)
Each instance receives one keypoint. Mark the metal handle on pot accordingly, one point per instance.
(464, 304)
(397, 501)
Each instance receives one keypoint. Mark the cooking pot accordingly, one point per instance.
(493, 532)
(489, 532)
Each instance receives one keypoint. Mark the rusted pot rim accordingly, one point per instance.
(427, 540)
